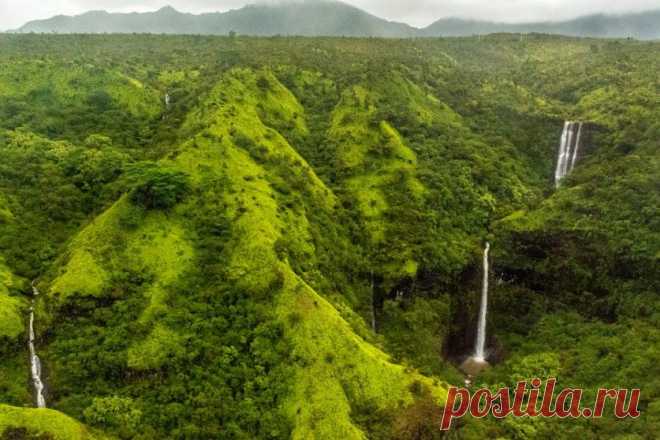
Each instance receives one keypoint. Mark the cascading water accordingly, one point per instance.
(477, 362)
(35, 362)
(577, 146)
(568, 150)
(480, 344)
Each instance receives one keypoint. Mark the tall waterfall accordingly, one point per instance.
(568, 150)
(480, 344)
(35, 362)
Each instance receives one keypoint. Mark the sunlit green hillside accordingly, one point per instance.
(251, 238)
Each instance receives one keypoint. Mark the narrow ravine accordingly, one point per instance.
(35, 362)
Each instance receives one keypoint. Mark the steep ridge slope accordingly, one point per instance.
(16, 420)
(227, 289)
(42, 423)
(12, 311)
(237, 164)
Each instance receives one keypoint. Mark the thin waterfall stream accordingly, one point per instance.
(35, 362)
(569, 147)
(480, 343)
(477, 362)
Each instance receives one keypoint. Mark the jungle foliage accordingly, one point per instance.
(291, 246)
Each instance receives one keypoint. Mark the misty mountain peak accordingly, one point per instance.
(332, 18)
(167, 10)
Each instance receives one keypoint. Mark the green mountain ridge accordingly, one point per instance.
(291, 247)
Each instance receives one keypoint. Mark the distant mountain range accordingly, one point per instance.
(643, 26)
(331, 18)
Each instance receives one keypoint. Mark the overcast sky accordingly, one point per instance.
(14, 13)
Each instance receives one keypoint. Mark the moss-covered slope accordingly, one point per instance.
(22, 422)
(244, 166)
(291, 246)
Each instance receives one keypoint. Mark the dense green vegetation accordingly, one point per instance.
(291, 248)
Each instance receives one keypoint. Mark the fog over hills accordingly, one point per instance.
(645, 26)
(332, 18)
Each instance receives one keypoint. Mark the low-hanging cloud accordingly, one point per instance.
(14, 13)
